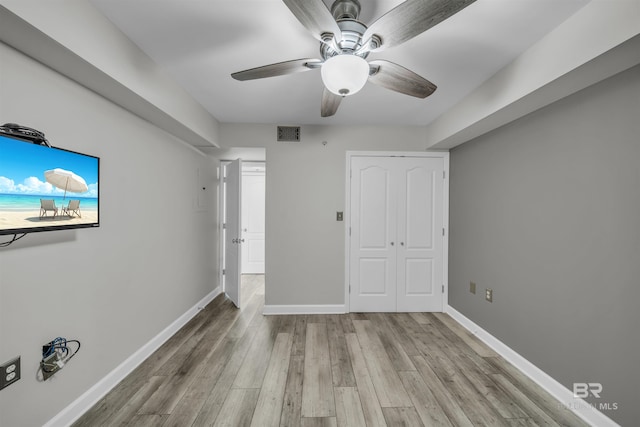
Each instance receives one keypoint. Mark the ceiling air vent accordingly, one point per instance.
(289, 133)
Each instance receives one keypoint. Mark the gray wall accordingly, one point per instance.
(545, 211)
(115, 287)
(305, 186)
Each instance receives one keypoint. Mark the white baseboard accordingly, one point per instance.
(578, 406)
(304, 309)
(83, 403)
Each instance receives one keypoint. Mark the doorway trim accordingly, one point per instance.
(444, 155)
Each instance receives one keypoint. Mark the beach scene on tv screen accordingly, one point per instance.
(45, 187)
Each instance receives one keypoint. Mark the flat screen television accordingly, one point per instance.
(44, 188)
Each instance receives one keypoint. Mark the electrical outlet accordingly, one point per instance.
(50, 365)
(339, 216)
(488, 295)
(472, 287)
(9, 372)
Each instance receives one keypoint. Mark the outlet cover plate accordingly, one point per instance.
(9, 372)
(489, 295)
(472, 287)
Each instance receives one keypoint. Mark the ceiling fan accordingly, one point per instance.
(346, 42)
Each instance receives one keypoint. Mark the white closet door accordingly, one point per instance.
(396, 245)
(373, 234)
(419, 228)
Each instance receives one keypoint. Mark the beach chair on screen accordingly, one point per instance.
(47, 205)
(73, 208)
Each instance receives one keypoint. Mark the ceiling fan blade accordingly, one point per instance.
(330, 103)
(409, 19)
(278, 69)
(315, 17)
(397, 78)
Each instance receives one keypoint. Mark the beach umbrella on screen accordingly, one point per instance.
(66, 180)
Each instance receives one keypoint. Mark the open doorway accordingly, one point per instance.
(242, 210)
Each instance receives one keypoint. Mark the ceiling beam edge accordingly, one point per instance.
(570, 58)
(191, 124)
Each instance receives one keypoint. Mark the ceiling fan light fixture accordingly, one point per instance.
(344, 74)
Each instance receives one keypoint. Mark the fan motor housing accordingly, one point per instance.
(349, 42)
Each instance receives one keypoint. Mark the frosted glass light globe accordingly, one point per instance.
(344, 74)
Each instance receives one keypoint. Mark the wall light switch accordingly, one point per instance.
(338, 216)
(472, 287)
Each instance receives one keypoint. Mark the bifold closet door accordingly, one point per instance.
(373, 234)
(396, 239)
(420, 223)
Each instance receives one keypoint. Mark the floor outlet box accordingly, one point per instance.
(50, 365)
(9, 372)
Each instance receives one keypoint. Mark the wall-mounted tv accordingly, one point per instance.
(44, 188)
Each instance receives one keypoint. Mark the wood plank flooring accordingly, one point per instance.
(230, 367)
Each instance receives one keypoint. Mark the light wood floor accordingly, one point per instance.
(228, 367)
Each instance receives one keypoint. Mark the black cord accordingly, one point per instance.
(74, 353)
(15, 238)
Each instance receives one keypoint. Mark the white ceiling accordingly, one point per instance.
(201, 42)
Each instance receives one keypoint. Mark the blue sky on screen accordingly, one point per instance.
(22, 167)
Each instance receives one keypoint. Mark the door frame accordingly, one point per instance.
(221, 207)
(444, 155)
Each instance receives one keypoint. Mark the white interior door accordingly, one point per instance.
(419, 227)
(373, 235)
(232, 235)
(253, 221)
(396, 244)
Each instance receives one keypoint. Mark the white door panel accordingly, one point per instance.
(254, 256)
(417, 196)
(374, 274)
(418, 277)
(253, 222)
(420, 232)
(372, 249)
(375, 206)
